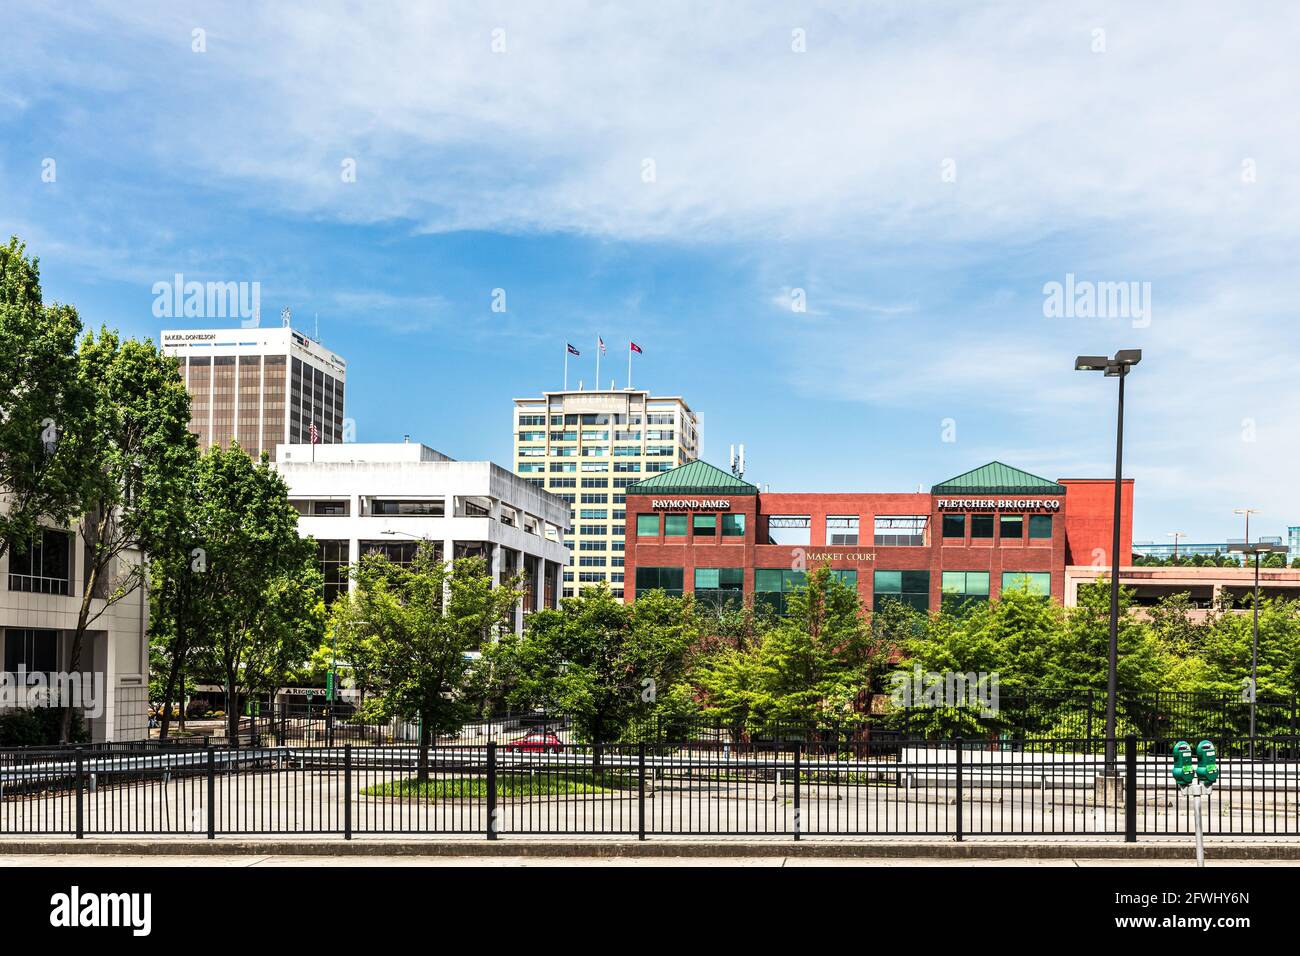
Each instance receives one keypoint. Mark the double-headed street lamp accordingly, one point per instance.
(1257, 549)
(1117, 367)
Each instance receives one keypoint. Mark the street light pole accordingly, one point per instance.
(1117, 367)
(1257, 550)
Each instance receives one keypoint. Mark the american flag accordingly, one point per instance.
(315, 435)
(602, 344)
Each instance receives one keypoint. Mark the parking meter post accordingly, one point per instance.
(1200, 834)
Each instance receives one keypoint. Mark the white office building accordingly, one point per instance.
(357, 498)
(40, 597)
(260, 387)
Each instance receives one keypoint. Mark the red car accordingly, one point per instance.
(537, 742)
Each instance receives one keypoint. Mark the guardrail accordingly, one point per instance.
(642, 790)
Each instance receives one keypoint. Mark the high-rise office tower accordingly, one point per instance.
(260, 387)
(587, 447)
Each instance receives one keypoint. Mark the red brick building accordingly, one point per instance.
(700, 529)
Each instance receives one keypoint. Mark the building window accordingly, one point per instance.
(773, 587)
(567, 482)
(789, 529)
(720, 586)
(842, 530)
(591, 561)
(433, 508)
(333, 557)
(733, 526)
(674, 526)
(959, 587)
(1011, 526)
(31, 650)
(594, 514)
(900, 531)
(44, 565)
(1037, 583)
(704, 526)
(401, 553)
(595, 482)
(668, 580)
(908, 587)
(981, 526)
(954, 526)
(1040, 526)
(595, 499)
(592, 546)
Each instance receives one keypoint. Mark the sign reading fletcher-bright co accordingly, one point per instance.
(689, 504)
(999, 504)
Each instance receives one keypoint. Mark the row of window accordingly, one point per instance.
(701, 525)
(772, 586)
(1008, 526)
(654, 418)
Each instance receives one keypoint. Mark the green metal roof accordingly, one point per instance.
(997, 478)
(693, 478)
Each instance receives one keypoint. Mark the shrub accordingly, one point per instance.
(39, 727)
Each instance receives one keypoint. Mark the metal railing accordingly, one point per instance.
(904, 788)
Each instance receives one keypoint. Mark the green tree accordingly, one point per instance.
(413, 629)
(142, 462)
(600, 662)
(253, 570)
(46, 446)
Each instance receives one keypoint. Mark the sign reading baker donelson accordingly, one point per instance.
(999, 504)
(689, 504)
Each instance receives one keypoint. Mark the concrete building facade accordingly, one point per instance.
(357, 498)
(41, 589)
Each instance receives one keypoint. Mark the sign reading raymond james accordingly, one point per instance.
(689, 504)
(999, 504)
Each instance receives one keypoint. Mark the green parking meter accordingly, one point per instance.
(1183, 770)
(1207, 763)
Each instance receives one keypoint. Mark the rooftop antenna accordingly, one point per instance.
(738, 461)
(285, 317)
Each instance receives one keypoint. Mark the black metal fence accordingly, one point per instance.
(897, 788)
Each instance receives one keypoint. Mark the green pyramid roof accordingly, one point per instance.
(693, 478)
(997, 478)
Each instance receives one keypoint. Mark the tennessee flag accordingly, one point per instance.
(572, 350)
(636, 348)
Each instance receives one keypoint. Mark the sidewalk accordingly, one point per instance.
(679, 847)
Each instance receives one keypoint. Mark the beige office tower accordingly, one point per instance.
(260, 387)
(587, 447)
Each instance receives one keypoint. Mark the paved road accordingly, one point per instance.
(84, 860)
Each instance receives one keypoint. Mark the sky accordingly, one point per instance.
(834, 229)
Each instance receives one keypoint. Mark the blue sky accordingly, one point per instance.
(920, 175)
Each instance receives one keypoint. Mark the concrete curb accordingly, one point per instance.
(654, 849)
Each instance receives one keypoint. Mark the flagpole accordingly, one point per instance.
(566, 366)
(598, 351)
(629, 364)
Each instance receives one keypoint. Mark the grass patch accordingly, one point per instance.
(508, 785)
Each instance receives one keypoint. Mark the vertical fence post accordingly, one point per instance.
(958, 742)
(1130, 789)
(798, 822)
(347, 791)
(1092, 701)
(81, 785)
(212, 793)
(640, 791)
(492, 790)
